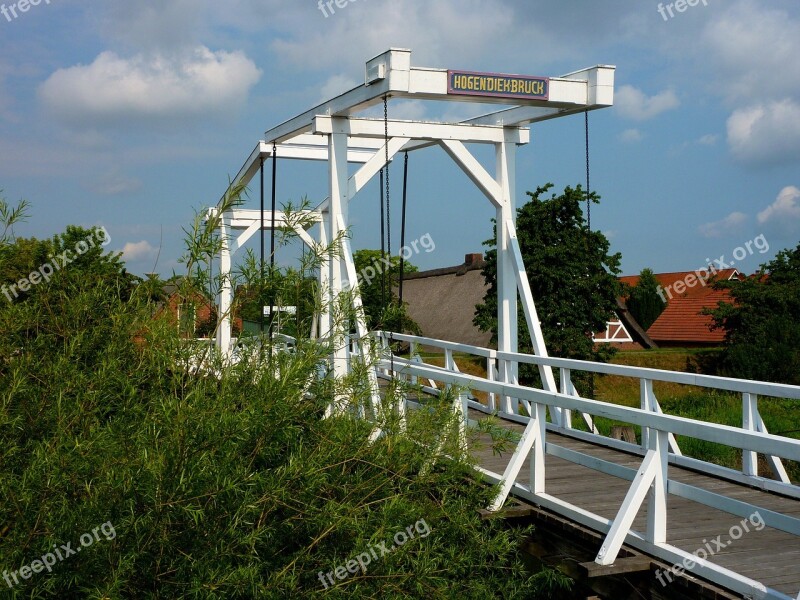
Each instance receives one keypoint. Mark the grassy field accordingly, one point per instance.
(780, 416)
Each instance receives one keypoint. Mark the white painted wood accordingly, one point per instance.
(537, 464)
(749, 423)
(339, 200)
(657, 499)
(368, 351)
(762, 388)
(507, 317)
(226, 291)
(773, 519)
(491, 375)
(529, 438)
(529, 306)
(774, 462)
(417, 130)
(621, 525)
(712, 432)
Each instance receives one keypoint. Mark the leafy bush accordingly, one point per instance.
(216, 487)
(762, 335)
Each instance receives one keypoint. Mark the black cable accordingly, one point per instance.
(403, 241)
(272, 244)
(383, 248)
(588, 188)
(261, 264)
(388, 211)
(387, 271)
(403, 228)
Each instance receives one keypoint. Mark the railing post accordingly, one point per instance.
(657, 503)
(509, 405)
(565, 416)
(538, 452)
(491, 371)
(462, 410)
(647, 395)
(749, 423)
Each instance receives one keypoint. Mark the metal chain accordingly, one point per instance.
(386, 146)
(588, 188)
(388, 215)
(383, 240)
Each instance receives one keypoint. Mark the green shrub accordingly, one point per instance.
(229, 487)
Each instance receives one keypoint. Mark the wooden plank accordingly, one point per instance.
(634, 564)
(768, 556)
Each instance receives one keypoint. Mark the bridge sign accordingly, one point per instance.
(497, 85)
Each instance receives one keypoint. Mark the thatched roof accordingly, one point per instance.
(442, 301)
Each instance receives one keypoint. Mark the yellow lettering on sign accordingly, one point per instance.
(498, 84)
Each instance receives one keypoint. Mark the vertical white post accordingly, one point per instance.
(226, 292)
(646, 399)
(565, 416)
(324, 278)
(491, 368)
(538, 454)
(339, 190)
(507, 325)
(657, 503)
(449, 362)
(750, 423)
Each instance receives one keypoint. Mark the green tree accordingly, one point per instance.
(762, 333)
(377, 280)
(75, 258)
(572, 276)
(644, 301)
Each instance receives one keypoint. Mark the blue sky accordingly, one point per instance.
(132, 115)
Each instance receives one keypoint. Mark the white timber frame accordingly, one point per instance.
(615, 333)
(236, 228)
(333, 132)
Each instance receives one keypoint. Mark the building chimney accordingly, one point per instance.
(471, 259)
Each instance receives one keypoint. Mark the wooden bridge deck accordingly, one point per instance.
(769, 556)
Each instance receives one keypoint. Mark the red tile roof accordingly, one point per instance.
(682, 321)
(668, 280)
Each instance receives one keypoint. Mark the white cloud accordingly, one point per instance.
(114, 90)
(134, 251)
(434, 29)
(767, 133)
(730, 224)
(753, 49)
(410, 110)
(631, 136)
(785, 209)
(634, 104)
(750, 49)
(708, 140)
(116, 184)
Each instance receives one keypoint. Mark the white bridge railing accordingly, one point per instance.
(658, 445)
